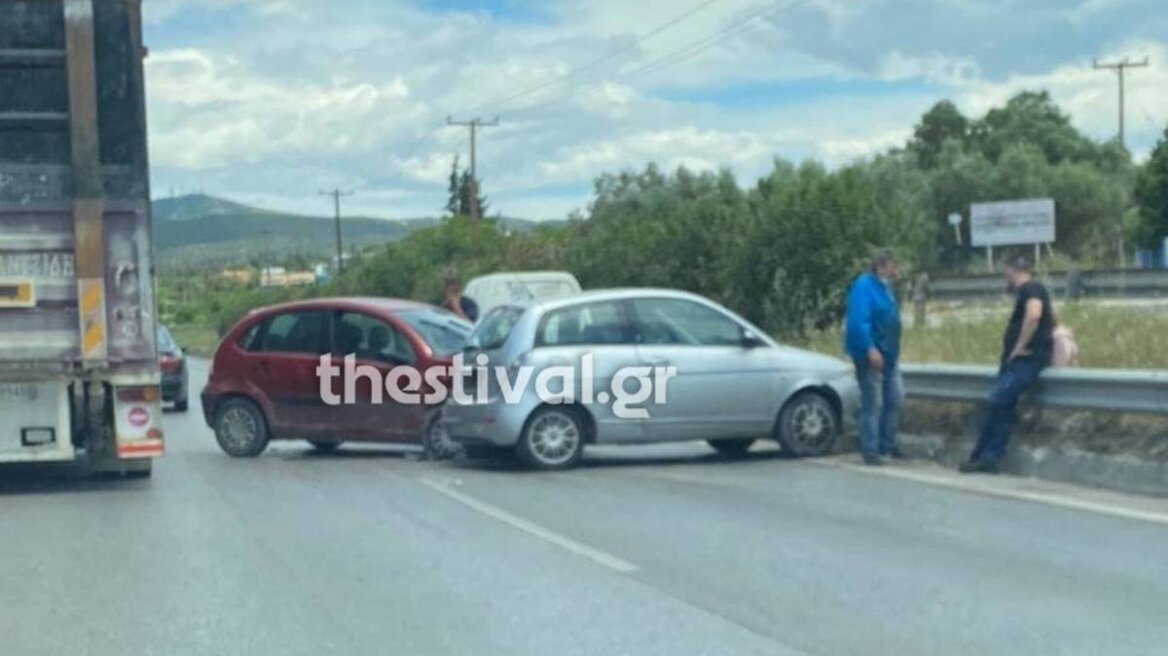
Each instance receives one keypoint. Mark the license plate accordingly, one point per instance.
(34, 265)
(17, 393)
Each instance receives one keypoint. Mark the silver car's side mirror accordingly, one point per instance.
(751, 340)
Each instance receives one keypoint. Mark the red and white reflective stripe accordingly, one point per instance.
(141, 448)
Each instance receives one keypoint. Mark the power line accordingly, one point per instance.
(715, 39)
(686, 52)
(597, 62)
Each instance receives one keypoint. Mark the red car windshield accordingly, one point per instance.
(445, 333)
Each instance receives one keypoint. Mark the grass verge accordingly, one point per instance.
(1109, 336)
(199, 341)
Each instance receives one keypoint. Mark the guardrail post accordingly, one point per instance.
(1074, 285)
(920, 299)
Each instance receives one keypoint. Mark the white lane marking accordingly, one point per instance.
(1000, 487)
(547, 535)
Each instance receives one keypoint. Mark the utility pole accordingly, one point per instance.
(474, 124)
(1120, 68)
(336, 194)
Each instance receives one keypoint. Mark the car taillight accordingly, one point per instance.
(142, 394)
(170, 364)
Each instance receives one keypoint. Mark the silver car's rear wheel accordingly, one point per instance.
(552, 439)
(808, 425)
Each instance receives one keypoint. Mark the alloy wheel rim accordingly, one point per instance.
(239, 428)
(554, 438)
(812, 424)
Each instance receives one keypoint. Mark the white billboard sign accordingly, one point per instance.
(1012, 222)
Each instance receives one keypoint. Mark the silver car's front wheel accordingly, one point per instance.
(808, 425)
(552, 439)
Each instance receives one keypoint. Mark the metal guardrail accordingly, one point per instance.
(1125, 283)
(1111, 390)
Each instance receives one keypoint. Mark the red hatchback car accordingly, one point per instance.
(264, 383)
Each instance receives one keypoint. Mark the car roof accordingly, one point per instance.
(369, 303)
(524, 276)
(615, 294)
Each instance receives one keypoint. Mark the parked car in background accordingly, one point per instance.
(172, 360)
(493, 290)
(733, 384)
(264, 386)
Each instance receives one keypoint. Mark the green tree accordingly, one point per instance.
(465, 193)
(458, 193)
(1151, 195)
(453, 191)
(649, 229)
(813, 231)
(942, 123)
(1033, 118)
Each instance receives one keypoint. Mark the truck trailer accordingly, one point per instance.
(79, 376)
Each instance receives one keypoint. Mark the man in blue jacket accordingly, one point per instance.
(872, 339)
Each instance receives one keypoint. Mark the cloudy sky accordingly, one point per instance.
(268, 101)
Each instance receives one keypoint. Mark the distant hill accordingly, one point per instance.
(198, 231)
(197, 206)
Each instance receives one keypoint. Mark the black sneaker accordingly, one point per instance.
(897, 454)
(873, 461)
(978, 467)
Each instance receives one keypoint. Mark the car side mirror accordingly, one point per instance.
(751, 340)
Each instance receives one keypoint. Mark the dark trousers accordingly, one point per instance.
(879, 407)
(1013, 379)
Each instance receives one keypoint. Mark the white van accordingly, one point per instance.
(497, 289)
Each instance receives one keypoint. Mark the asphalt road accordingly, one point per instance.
(666, 550)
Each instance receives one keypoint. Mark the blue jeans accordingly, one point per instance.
(1013, 379)
(879, 407)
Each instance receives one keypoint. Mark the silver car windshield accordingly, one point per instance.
(494, 329)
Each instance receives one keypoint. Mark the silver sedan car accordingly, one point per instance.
(637, 366)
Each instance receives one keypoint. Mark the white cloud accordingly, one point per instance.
(209, 111)
(1090, 96)
(305, 94)
(934, 67)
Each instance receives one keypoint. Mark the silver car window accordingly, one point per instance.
(681, 322)
(590, 323)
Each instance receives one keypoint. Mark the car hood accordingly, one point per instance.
(801, 360)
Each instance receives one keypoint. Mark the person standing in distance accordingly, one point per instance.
(872, 339)
(453, 299)
(1027, 347)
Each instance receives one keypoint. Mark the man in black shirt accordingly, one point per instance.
(1026, 350)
